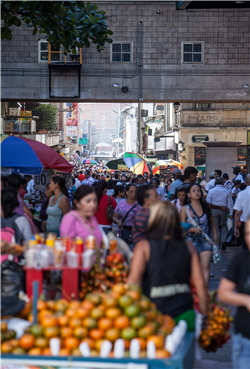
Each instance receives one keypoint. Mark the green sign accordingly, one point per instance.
(83, 141)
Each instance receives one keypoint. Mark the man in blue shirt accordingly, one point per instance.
(177, 182)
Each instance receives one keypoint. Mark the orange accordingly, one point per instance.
(80, 332)
(109, 302)
(112, 334)
(41, 315)
(41, 305)
(70, 313)
(6, 348)
(35, 351)
(101, 307)
(96, 334)
(51, 332)
(104, 324)
(132, 310)
(94, 298)
(154, 325)
(74, 305)
(51, 305)
(158, 341)
(14, 342)
(75, 322)
(145, 332)
(144, 304)
(151, 314)
(168, 321)
(113, 313)
(142, 343)
(64, 352)
(41, 342)
(18, 351)
(4, 327)
(26, 310)
(89, 341)
(96, 313)
(49, 321)
(98, 344)
(94, 353)
(121, 322)
(46, 352)
(87, 305)
(63, 320)
(160, 354)
(125, 301)
(30, 318)
(135, 295)
(81, 313)
(76, 352)
(27, 341)
(119, 288)
(71, 343)
(128, 333)
(61, 305)
(138, 322)
(89, 323)
(66, 332)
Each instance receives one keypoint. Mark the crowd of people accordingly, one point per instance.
(175, 228)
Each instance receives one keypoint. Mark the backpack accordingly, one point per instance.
(110, 210)
(10, 233)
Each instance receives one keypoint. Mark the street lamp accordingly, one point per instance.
(180, 145)
(176, 105)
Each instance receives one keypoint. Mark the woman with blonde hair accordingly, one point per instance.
(163, 264)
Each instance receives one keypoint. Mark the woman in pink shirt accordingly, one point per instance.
(81, 222)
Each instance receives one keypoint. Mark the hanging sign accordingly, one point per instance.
(200, 138)
(41, 181)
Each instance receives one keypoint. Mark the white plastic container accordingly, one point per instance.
(88, 258)
(72, 259)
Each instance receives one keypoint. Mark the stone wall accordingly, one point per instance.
(160, 75)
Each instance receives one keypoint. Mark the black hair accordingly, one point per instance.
(142, 193)
(9, 201)
(118, 188)
(87, 172)
(237, 182)
(73, 181)
(116, 176)
(110, 184)
(219, 172)
(188, 171)
(134, 180)
(15, 181)
(76, 175)
(139, 176)
(102, 184)
(182, 178)
(206, 209)
(93, 175)
(156, 175)
(156, 180)
(81, 192)
(129, 186)
(61, 183)
(24, 181)
(181, 189)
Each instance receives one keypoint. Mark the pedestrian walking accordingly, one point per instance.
(226, 182)
(238, 176)
(242, 211)
(234, 289)
(177, 182)
(220, 202)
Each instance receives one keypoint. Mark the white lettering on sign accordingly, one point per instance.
(174, 289)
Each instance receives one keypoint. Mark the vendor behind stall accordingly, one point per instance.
(164, 263)
(80, 222)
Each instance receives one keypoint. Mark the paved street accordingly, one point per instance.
(222, 358)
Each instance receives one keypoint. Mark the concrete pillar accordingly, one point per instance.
(221, 155)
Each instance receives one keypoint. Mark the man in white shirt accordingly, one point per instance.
(238, 176)
(220, 201)
(226, 181)
(211, 184)
(77, 182)
(30, 186)
(242, 211)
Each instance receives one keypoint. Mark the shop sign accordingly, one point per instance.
(122, 167)
(242, 163)
(200, 138)
(41, 181)
(83, 141)
(71, 131)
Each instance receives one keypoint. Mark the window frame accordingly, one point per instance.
(196, 106)
(192, 43)
(131, 52)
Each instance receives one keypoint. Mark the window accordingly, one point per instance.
(121, 52)
(202, 106)
(199, 156)
(192, 52)
(43, 51)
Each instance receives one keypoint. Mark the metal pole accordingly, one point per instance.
(119, 123)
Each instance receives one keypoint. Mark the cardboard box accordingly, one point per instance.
(13, 111)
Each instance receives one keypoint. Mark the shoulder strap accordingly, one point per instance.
(81, 220)
(126, 215)
(10, 222)
(109, 200)
(51, 199)
(59, 198)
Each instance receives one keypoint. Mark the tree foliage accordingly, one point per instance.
(69, 23)
(47, 116)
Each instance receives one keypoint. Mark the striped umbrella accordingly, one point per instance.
(136, 163)
(89, 161)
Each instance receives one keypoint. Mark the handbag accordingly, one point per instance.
(126, 230)
(110, 210)
(215, 252)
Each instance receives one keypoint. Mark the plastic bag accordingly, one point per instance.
(229, 224)
(12, 279)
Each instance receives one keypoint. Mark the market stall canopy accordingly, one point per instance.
(136, 163)
(27, 156)
(118, 164)
(89, 161)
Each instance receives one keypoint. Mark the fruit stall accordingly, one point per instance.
(105, 323)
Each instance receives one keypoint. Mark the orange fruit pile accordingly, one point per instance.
(123, 312)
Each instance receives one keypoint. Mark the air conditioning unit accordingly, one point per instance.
(144, 113)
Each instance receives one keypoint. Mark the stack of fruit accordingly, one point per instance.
(123, 313)
(216, 333)
(103, 278)
(9, 342)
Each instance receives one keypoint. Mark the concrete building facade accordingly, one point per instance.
(158, 53)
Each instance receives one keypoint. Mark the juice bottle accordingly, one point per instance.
(79, 248)
(112, 244)
(90, 243)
